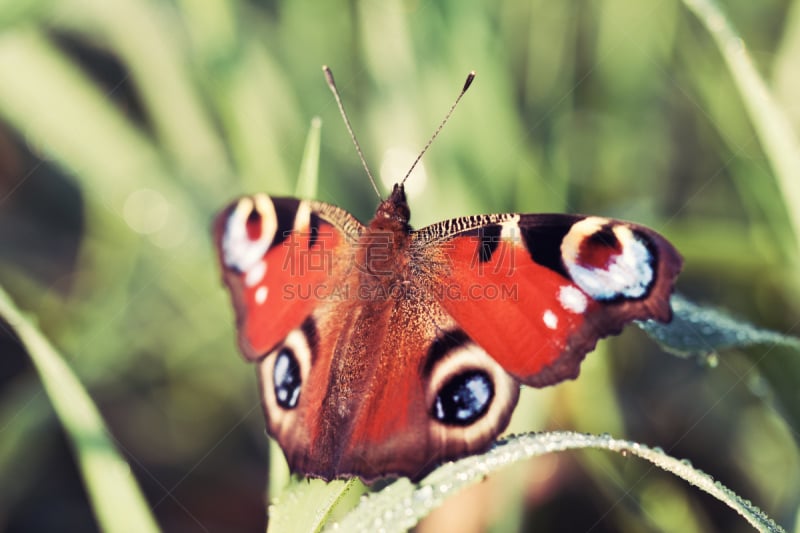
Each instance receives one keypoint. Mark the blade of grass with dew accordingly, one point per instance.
(402, 504)
(701, 331)
(306, 505)
(777, 136)
(116, 498)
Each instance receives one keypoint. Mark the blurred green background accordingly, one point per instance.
(125, 125)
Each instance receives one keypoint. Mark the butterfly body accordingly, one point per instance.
(385, 351)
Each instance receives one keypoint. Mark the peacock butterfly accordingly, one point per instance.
(384, 350)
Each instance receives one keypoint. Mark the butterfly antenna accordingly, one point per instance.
(335, 91)
(467, 83)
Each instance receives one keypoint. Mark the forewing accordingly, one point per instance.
(538, 291)
(279, 257)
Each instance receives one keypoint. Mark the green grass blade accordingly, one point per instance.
(308, 178)
(701, 331)
(279, 475)
(307, 504)
(18, 11)
(402, 504)
(156, 54)
(82, 130)
(116, 498)
(80, 126)
(772, 124)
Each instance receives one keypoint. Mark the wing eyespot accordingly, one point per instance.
(464, 398)
(469, 395)
(286, 379)
(608, 260)
(284, 371)
(248, 233)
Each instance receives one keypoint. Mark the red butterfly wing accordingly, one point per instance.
(276, 256)
(416, 359)
(538, 291)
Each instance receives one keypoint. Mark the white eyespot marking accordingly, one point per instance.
(550, 319)
(256, 273)
(607, 261)
(261, 295)
(510, 229)
(572, 299)
(244, 240)
(302, 219)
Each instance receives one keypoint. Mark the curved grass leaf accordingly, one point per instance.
(402, 504)
(116, 499)
(155, 53)
(701, 331)
(109, 156)
(770, 121)
(306, 505)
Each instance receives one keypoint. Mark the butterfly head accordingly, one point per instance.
(393, 212)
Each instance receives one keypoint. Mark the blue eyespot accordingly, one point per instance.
(286, 379)
(464, 398)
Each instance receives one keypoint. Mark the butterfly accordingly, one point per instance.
(382, 350)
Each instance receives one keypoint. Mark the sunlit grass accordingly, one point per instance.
(116, 498)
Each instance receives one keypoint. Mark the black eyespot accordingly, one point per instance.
(286, 378)
(464, 398)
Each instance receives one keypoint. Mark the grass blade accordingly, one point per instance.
(308, 178)
(155, 52)
(401, 505)
(291, 512)
(116, 498)
(772, 124)
(701, 331)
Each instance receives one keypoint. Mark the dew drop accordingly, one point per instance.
(424, 493)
